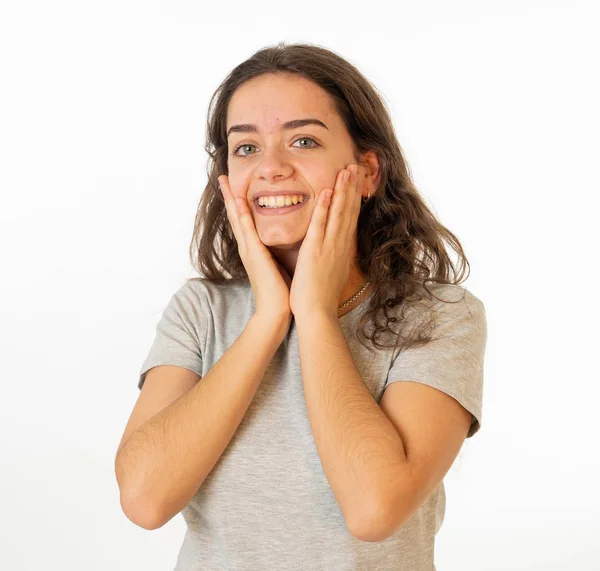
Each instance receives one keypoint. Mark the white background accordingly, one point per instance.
(102, 116)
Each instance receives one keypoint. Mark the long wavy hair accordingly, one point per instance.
(400, 243)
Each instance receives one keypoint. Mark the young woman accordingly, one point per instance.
(272, 414)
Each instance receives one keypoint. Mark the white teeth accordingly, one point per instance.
(279, 201)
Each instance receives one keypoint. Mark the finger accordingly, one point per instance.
(243, 223)
(337, 211)
(356, 203)
(350, 192)
(233, 211)
(318, 221)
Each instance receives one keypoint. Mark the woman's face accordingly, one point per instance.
(302, 159)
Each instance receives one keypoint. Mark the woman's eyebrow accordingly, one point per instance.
(294, 124)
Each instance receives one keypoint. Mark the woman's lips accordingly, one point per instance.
(283, 210)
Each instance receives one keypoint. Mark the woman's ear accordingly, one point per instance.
(370, 162)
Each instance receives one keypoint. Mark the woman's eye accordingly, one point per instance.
(235, 151)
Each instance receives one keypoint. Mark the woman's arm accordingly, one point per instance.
(166, 460)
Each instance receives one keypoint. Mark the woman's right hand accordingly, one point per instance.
(269, 279)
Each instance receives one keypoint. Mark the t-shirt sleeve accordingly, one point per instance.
(177, 337)
(453, 361)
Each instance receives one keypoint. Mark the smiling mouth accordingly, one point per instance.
(281, 210)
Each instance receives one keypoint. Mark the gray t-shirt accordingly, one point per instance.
(267, 503)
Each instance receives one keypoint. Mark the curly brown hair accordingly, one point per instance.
(400, 243)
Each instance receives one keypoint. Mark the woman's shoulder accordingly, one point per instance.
(444, 301)
(457, 302)
(214, 291)
(436, 294)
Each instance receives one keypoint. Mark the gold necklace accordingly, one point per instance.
(354, 297)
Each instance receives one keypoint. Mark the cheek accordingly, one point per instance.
(322, 177)
(238, 184)
(332, 177)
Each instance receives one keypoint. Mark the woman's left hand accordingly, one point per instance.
(329, 248)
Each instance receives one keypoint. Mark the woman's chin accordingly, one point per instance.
(282, 243)
(281, 238)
